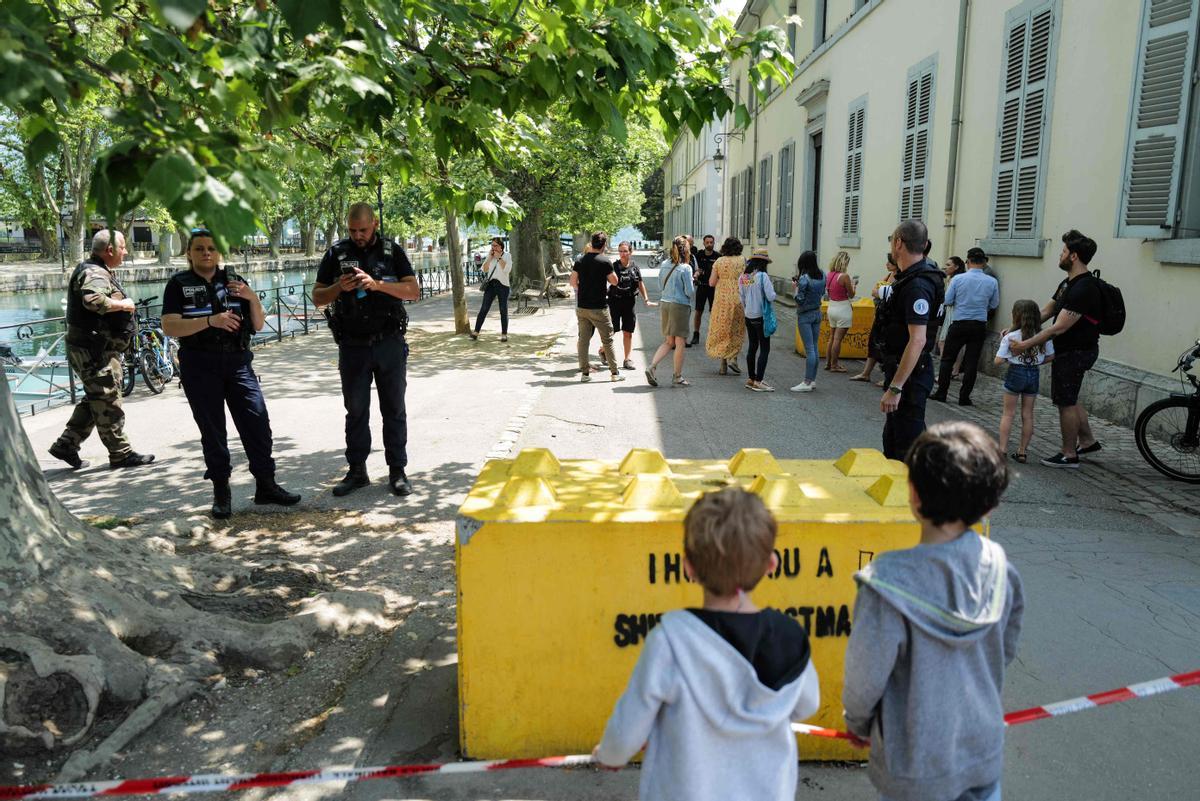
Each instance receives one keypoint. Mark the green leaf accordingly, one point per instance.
(181, 13)
(170, 177)
(41, 137)
(306, 16)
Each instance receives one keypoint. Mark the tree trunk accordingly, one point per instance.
(165, 237)
(309, 232)
(274, 237)
(98, 623)
(183, 235)
(580, 241)
(330, 235)
(51, 245)
(462, 323)
(527, 251)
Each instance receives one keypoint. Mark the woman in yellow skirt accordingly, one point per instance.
(727, 325)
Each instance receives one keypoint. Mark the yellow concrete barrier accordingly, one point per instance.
(564, 567)
(854, 345)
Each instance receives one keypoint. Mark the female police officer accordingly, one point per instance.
(214, 312)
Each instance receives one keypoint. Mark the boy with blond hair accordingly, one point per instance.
(934, 628)
(716, 688)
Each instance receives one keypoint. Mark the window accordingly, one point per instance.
(734, 206)
(852, 201)
(764, 199)
(747, 190)
(792, 30)
(1026, 80)
(787, 182)
(918, 125)
(820, 12)
(1155, 201)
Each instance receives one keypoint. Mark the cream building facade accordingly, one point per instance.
(999, 123)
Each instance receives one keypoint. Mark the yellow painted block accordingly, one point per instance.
(562, 576)
(854, 344)
(532, 462)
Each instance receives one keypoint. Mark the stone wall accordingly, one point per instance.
(36, 281)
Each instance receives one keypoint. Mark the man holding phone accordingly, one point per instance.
(366, 279)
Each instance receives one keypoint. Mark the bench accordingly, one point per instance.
(532, 290)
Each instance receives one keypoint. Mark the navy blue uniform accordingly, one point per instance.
(215, 372)
(369, 331)
(916, 298)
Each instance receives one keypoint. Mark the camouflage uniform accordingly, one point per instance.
(95, 340)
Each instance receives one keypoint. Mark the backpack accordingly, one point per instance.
(1112, 315)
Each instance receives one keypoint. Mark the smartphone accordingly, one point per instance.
(347, 269)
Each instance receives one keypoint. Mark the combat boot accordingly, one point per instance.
(67, 455)
(268, 491)
(134, 459)
(222, 508)
(356, 477)
(399, 482)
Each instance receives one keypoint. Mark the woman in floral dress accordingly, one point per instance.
(727, 325)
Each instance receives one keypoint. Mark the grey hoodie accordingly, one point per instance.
(711, 729)
(934, 628)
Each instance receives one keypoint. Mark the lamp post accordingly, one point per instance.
(356, 174)
(64, 211)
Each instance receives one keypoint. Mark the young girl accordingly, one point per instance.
(1021, 381)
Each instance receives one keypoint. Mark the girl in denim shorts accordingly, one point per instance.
(1021, 381)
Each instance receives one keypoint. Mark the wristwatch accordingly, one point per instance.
(895, 390)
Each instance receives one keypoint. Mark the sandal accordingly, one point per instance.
(1020, 457)
(838, 369)
(733, 368)
(860, 377)
(724, 368)
(680, 381)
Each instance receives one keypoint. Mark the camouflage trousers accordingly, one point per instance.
(100, 408)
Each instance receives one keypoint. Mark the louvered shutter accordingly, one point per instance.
(787, 168)
(748, 203)
(1162, 85)
(764, 197)
(914, 172)
(855, 131)
(1024, 119)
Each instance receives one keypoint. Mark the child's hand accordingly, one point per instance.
(599, 764)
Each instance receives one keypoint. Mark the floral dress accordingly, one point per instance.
(726, 325)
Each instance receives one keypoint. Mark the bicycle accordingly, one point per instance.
(151, 353)
(1167, 432)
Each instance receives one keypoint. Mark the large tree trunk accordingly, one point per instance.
(462, 323)
(527, 251)
(308, 231)
(165, 242)
(96, 623)
(51, 245)
(274, 237)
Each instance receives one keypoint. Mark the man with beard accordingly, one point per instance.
(1077, 307)
(704, 261)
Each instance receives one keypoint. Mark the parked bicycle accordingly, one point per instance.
(1168, 431)
(152, 354)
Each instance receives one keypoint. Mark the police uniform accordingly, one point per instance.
(369, 329)
(215, 371)
(916, 298)
(95, 340)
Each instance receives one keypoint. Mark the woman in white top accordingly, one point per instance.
(1021, 380)
(496, 269)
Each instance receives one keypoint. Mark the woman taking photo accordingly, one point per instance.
(676, 306)
(213, 313)
(809, 284)
(495, 269)
(726, 323)
(840, 312)
(756, 293)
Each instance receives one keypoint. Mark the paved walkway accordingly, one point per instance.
(1110, 554)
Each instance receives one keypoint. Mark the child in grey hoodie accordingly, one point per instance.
(715, 691)
(934, 628)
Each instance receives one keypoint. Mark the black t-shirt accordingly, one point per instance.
(593, 269)
(190, 296)
(916, 298)
(1081, 295)
(628, 280)
(775, 644)
(704, 265)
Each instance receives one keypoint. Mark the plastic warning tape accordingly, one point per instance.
(1143, 690)
(213, 782)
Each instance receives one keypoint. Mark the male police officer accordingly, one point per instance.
(907, 330)
(367, 279)
(100, 325)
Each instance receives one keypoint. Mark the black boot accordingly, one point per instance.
(67, 455)
(355, 478)
(268, 491)
(222, 508)
(399, 482)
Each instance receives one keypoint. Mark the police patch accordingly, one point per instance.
(920, 306)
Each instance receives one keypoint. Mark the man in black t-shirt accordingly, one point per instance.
(590, 278)
(907, 329)
(1077, 307)
(704, 260)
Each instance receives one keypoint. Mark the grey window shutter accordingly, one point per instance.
(918, 132)
(764, 197)
(852, 199)
(780, 207)
(1162, 85)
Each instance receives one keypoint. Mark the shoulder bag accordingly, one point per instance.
(769, 321)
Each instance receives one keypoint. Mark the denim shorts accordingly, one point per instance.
(1021, 379)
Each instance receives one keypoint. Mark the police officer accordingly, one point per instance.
(100, 326)
(214, 313)
(367, 279)
(907, 331)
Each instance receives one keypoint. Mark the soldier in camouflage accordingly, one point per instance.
(100, 325)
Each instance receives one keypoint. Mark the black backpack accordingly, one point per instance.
(1112, 316)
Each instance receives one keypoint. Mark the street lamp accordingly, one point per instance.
(356, 173)
(719, 157)
(64, 211)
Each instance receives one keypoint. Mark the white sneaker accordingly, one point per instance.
(803, 386)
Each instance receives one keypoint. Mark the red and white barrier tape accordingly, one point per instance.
(211, 782)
